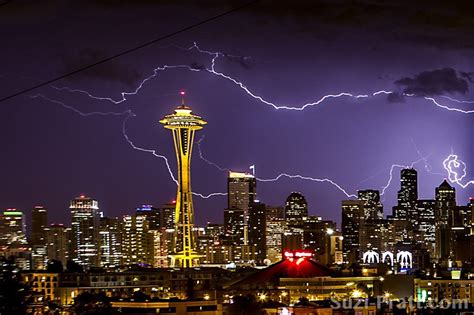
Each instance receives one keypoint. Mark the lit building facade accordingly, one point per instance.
(85, 231)
(241, 194)
(110, 242)
(296, 209)
(445, 196)
(426, 233)
(407, 196)
(373, 208)
(57, 243)
(234, 225)
(12, 228)
(275, 231)
(136, 241)
(353, 217)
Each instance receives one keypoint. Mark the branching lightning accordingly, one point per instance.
(206, 160)
(319, 180)
(212, 70)
(128, 114)
(449, 166)
(456, 169)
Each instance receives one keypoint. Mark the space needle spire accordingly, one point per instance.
(183, 124)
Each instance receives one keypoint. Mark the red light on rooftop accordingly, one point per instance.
(174, 201)
(182, 93)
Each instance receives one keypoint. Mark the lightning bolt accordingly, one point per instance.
(206, 160)
(212, 70)
(398, 166)
(457, 101)
(449, 108)
(128, 114)
(456, 169)
(319, 180)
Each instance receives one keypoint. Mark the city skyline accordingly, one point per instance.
(329, 143)
(352, 141)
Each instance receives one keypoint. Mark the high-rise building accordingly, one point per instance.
(353, 217)
(445, 196)
(110, 242)
(234, 224)
(214, 230)
(316, 236)
(39, 221)
(167, 215)
(296, 209)
(373, 209)
(460, 224)
(275, 231)
(136, 242)
(241, 194)
(152, 214)
(275, 213)
(57, 243)
(12, 228)
(406, 208)
(471, 203)
(183, 123)
(257, 229)
(426, 224)
(85, 231)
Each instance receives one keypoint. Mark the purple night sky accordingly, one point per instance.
(287, 54)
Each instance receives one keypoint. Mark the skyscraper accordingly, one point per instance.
(167, 215)
(353, 217)
(317, 234)
(39, 221)
(407, 197)
(445, 196)
(373, 208)
(183, 124)
(241, 194)
(275, 213)
(234, 224)
(85, 231)
(110, 242)
(426, 223)
(296, 209)
(136, 241)
(57, 243)
(257, 229)
(276, 227)
(12, 228)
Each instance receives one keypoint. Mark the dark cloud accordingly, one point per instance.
(435, 82)
(395, 97)
(111, 70)
(197, 66)
(467, 75)
(243, 61)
